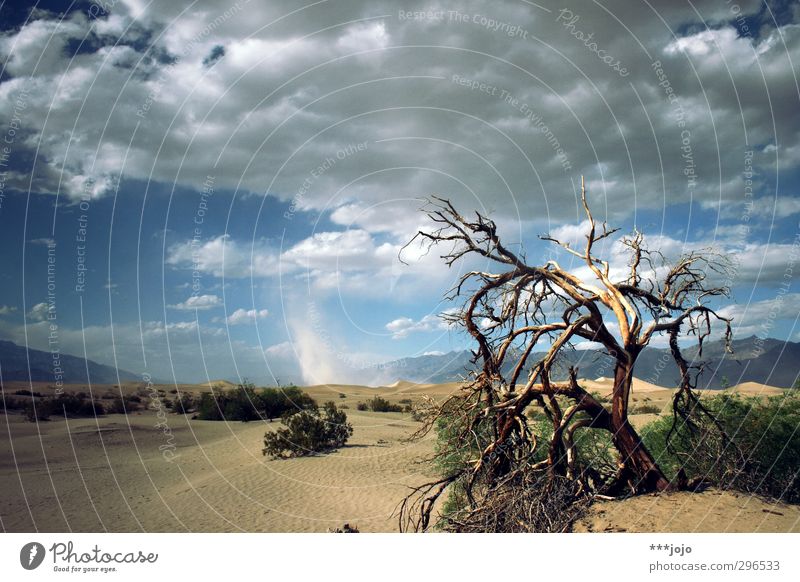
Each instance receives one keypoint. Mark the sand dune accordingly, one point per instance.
(754, 389)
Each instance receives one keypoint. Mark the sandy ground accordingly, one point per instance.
(110, 473)
(681, 512)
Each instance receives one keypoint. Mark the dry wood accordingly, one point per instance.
(511, 308)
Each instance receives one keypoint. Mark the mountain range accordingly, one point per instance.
(16, 362)
(766, 361)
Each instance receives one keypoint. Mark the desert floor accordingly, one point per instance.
(110, 474)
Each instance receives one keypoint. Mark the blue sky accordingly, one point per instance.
(239, 180)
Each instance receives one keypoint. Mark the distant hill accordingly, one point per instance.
(769, 361)
(15, 361)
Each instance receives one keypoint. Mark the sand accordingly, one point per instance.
(111, 474)
(681, 512)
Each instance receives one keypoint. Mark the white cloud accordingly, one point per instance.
(219, 116)
(341, 250)
(198, 302)
(221, 256)
(245, 316)
(403, 326)
(781, 207)
(364, 37)
(281, 350)
(760, 317)
(38, 312)
(350, 261)
(7, 309)
(572, 234)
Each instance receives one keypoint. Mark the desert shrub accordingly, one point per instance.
(346, 528)
(28, 393)
(645, 409)
(405, 401)
(240, 403)
(379, 404)
(117, 406)
(408, 408)
(64, 404)
(134, 398)
(763, 456)
(308, 432)
(342, 395)
(534, 413)
(40, 410)
(528, 502)
(524, 504)
(183, 403)
(277, 402)
(344, 407)
(362, 406)
(74, 405)
(124, 405)
(246, 403)
(14, 403)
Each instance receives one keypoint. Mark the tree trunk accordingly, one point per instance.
(636, 463)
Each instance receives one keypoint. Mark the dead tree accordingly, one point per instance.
(512, 308)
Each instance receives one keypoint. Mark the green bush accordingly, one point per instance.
(28, 393)
(277, 402)
(183, 403)
(74, 405)
(246, 403)
(307, 432)
(645, 409)
(38, 411)
(124, 405)
(379, 404)
(70, 404)
(594, 453)
(362, 406)
(764, 430)
(239, 403)
(14, 403)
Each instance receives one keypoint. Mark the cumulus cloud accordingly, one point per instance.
(193, 83)
(245, 316)
(404, 326)
(760, 317)
(39, 312)
(198, 302)
(350, 260)
(222, 256)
